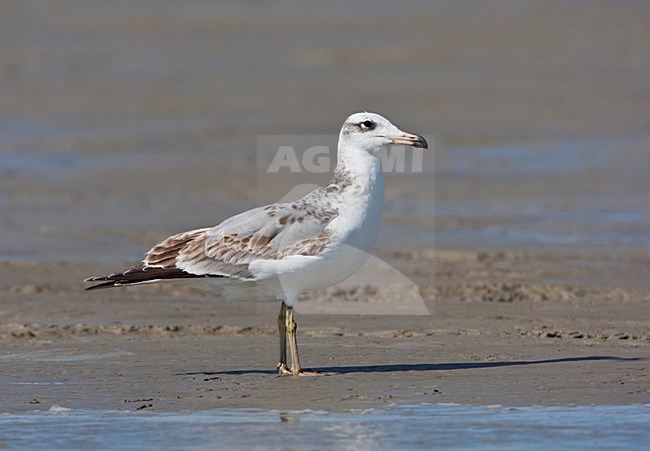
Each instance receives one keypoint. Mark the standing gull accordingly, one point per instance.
(288, 247)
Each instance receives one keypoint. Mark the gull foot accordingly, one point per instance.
(283, 370)
(308, 373)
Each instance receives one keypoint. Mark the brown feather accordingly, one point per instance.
(140, 274)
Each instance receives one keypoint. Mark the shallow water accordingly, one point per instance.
(580, 195)
(405, 427)
(567, 195)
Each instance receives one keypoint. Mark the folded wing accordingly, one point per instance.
(265, 233)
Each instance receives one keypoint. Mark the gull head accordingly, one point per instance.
(372, 133)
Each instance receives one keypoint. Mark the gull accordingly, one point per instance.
(289, 247)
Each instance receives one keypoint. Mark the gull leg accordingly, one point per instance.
(282, 329)
(292, 327)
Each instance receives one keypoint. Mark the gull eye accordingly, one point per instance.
(367, 125)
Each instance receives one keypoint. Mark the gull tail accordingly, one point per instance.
(138, 275)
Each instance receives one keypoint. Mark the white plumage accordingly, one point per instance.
(289, 247)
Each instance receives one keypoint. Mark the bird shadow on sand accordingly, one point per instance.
(391, 368)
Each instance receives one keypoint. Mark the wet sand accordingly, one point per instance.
(526, 233)
(492, 338)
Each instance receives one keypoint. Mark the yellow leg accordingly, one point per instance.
(292, 327)
(287, 326)
(282, 329)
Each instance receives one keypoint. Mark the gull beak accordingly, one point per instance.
(409, 139)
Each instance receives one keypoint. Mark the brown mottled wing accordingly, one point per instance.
(189, 249)
(267, 233)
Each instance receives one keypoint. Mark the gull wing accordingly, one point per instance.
(265, 233)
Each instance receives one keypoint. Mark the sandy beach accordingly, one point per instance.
(525, 235)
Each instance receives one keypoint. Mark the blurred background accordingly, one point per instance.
(526, 234)
(122, 122)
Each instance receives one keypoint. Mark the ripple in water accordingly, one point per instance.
(446, 426)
